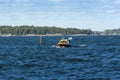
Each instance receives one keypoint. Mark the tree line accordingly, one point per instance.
(112, 31)
(24, 30)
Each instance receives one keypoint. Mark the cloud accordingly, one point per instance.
(56, 1)
(117, 1)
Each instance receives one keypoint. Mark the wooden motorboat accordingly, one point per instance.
(63, 43)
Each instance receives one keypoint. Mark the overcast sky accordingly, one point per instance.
(83, 14)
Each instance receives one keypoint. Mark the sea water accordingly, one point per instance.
(24, 58)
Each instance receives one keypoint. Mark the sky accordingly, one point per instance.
(96, 15)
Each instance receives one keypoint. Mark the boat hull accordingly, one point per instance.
(63, 45)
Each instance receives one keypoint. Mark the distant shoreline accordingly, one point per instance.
(9, 35)
(45, 35)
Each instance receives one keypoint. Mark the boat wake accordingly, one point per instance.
(53, 45)
(82, 45)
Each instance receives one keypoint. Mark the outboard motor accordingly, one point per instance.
(69, 39)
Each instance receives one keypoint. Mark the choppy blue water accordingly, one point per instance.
(23, 58)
